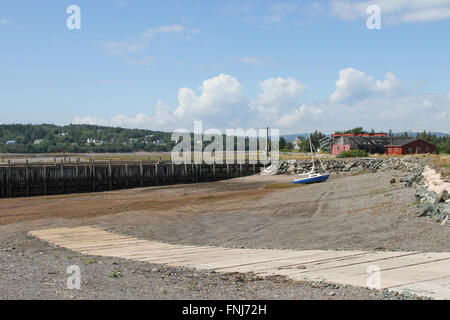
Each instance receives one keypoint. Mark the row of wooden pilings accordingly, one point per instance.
(21, 180)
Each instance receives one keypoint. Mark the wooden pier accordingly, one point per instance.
(22, 180)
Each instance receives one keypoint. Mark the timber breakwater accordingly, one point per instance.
(22, 180)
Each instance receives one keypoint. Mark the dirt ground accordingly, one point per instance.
(357, 212)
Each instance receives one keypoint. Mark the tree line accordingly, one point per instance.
(48, 138)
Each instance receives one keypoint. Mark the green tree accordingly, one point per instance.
(282, 143)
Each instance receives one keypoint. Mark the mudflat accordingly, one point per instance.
(350, 212)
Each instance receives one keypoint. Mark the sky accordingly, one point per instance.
(296, 66)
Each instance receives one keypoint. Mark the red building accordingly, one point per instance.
(371, 142)
(401, 146)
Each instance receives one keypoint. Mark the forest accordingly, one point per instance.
(48, 138)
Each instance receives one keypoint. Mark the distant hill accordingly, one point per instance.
(292, 137)
(49, 138)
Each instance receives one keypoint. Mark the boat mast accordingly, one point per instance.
(313, 170)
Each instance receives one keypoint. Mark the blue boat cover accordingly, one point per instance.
(312, 180)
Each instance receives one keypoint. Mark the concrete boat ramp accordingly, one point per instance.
(425, 274)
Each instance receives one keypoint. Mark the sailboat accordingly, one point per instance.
(312, 176)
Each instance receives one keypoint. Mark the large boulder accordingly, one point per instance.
(425, 210)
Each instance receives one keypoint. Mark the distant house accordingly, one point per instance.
(296, 143)
(11, 142)
(38, 141)
(94, 141)
(148, 138)
(159, 141)
(399, 146)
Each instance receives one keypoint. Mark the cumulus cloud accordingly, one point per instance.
(219, 96)
(294, 117)
(356, 85)
(220, 103)
(394, 12)
(278, 95)
(160, 119)
(414, 112)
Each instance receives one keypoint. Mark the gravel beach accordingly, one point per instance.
(350, 212)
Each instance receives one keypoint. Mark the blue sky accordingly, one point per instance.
(294, 65)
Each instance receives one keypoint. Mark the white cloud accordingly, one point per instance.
(278, 13)
(394, 12)
(153, 32)
(295, 117)
(117, 48)
(220, 103)
(442, 116)
(135, 46)
(414, 112)
(356, 85)
(89, 120)
(258, 61)
(251, 61)
(161, 119)
(4, 21)
(220, 98)
(427, 103)
(278, 95)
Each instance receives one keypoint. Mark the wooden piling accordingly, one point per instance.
(30, 179)
(45, 179)
(3, 182)
(27, 180)
(8, 178)
(63, 185)
(141, 173)
(110, 174)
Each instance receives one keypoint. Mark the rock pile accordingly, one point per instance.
(433, 196)
(346, 165)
